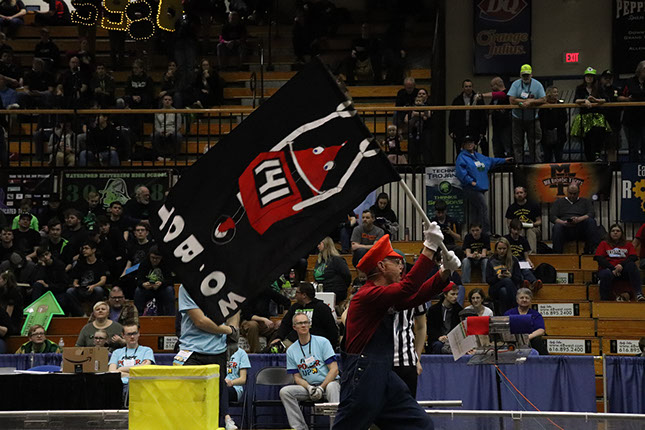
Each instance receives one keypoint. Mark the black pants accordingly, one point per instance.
(197, 359)
(409, 375)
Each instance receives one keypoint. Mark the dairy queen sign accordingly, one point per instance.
(502, 31)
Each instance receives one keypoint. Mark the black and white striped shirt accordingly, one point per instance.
(404, 352)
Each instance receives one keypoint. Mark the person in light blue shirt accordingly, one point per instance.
(203, 342)
(526, 92)
(236, 372)
(133, 354)
(471, 169)
(312, 361)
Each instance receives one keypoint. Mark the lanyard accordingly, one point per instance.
(134, 354)
(302, 350)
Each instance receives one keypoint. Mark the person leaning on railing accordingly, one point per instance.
(526, 92)
(590, 124)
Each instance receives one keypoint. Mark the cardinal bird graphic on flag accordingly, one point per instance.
(268, 192)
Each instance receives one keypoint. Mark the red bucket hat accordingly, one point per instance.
(381, 249)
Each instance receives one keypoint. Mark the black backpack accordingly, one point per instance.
(546, 273)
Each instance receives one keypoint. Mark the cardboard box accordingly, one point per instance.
(85, 360)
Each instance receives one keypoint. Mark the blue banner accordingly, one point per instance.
(502, 32)
(632, 208)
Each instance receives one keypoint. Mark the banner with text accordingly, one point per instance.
(628, 35)
(113, 185)
(632, 192)
(502, 32)
(442, 184)
(35, 186)
(545, 183)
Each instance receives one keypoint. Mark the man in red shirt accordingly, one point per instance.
(371, 393)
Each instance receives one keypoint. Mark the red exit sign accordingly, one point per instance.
(572, 57)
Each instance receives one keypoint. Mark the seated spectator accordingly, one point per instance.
(256, 316)
(118, 221)
(155, 281)
(236, 373)
(449, 227)
(100, 339)
(99, 321)
(554, 127)
(102, 87)
(52, 209)
(26, 207)
(7, 246)
(8, 96)
(315, 372)
(364, 236)
(573, 219)
(476, 246)
(364, 62)
(138, 209)
(24, 272)
(442, 318)
(74, 233)
(5, 330)
(85, 57)
(171, 84)
(208, 87)
(4, 46)
(504, 276)
(91, 209)
(104, 141)
(38, 342)
(73, 86)
(11, 303)
(131, 355)
(529, 214)
(57, 14)
(50, 275)
(521, 249)
(167, 137)
(61, 146)
(136, 252)
(8, 69)
(331, 270)
(322, 320)
(392, 146)
(616, 259)
(116, 300)
(38, 87)
(47, 51)
(384, 216)
(112, 247)
(26, 239)
(524, 297)
(89, 276)
(139, 88)
(232, 41)
(55, 242)
(476, 298)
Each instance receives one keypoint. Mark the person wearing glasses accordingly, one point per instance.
(100, 339)
(38, 342)
(312, 362)
(132, 355)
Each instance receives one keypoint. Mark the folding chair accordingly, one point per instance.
(268, 377)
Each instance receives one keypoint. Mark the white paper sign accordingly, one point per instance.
(459, 342)
(562, 278)
(556, 309)
(566, 346)
(628, 347)
(525, 265)
(169, 342)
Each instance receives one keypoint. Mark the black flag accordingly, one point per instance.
(268, 192)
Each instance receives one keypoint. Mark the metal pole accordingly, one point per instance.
(605, 401)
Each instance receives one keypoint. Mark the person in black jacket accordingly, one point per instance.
(50, 275)
(331, 270)
(256, 315)
(504, 276)
(554, 128)
(155, 281)
(384, 215)
(467, 122)
(442, 318)
(323, 322)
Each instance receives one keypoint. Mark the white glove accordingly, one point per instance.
(316, 392)
(451, 262)
(433, 236)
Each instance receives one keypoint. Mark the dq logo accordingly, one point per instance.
(500, 10)
(140, 18)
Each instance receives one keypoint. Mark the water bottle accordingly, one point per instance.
(292, 277)
(31, 358)
(61, 343)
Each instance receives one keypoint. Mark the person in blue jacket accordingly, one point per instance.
(472, 170)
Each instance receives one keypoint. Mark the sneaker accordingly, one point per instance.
(640, 298)
(527, 284)
(536, 286)
(620, 298)
(230, 424)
